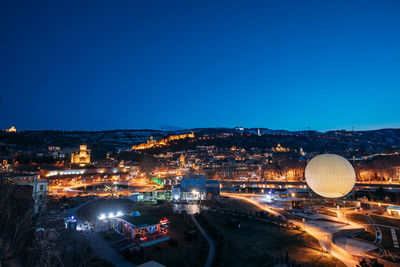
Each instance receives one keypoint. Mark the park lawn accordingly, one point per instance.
(184, 253)
(254, 242)
(387, 240)
(233, 205)
(369, 234)
(386, 220)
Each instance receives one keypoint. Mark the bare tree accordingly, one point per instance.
(16, 223)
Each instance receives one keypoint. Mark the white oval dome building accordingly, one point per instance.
(330, 175)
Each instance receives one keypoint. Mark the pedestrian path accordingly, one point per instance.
(378, 236)
(394, 237)
(211, 251)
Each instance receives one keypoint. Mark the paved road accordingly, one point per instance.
(321, 230)
(211, 251)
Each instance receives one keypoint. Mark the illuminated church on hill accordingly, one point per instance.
(81, 157)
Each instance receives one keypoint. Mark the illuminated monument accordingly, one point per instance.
(280, 148)
(330, 175)
(12, 130)
(81, 157)
(162, 142)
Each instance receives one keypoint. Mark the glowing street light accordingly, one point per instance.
(111, 215)
(268, 198)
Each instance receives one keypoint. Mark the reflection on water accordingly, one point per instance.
(190, 208)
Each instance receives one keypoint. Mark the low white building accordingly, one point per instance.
(136, 197)
(195, 188)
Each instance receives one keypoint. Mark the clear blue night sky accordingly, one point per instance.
(93, 65)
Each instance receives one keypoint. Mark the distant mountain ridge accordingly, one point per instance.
(381, 140)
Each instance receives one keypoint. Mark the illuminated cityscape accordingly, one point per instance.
(200, 133)
(348, 204)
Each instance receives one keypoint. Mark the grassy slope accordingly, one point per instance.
(251, 244)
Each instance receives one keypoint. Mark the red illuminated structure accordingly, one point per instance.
(145, 230)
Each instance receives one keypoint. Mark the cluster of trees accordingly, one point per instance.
(22, 243)
(16, 225)
(38, 241)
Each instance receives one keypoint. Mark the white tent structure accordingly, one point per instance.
(330, 175)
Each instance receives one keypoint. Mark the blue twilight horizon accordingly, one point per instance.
(102, 65)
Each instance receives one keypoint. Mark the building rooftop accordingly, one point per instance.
(142, 220)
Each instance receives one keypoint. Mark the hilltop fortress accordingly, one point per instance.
(162, 142)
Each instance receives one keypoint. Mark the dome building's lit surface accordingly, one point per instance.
(330, 175)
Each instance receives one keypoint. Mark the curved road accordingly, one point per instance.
(211, 251)
(323, 236)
